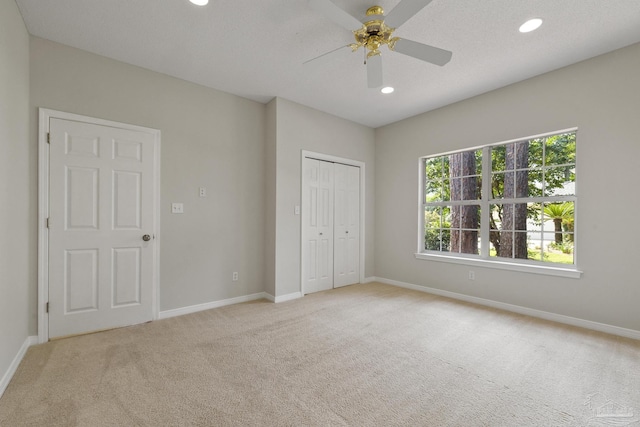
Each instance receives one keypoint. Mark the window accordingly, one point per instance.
(510, 202)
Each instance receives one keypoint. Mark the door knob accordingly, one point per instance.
(146, 237)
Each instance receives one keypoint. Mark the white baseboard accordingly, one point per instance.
(270, 297)
(209, 305)
(6, 378)
(369, 279)
(560, 318)
(287, 297)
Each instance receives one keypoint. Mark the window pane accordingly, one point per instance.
(509, 183)
(560, 181)
(446, 190)
(535, 182)
(471, 188)
(498, 158)
(560, 149)
(497, 185)
(510, 223)
(435, 189)
(522, 184)
(446, 239)
(433, 168)
(455, 189)
(465, 229)
(535, 153)
(432, 227)
(435, 192)
(558, 220)
(535, 243)
(495, 217)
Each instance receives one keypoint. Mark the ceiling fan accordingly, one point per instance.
(377, 30)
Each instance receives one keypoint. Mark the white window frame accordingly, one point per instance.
(483, 260)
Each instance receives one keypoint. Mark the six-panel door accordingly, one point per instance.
(101, 206)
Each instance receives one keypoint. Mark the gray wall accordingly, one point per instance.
(601, 97)
(18, 204)
(209, 138)
(300, 128)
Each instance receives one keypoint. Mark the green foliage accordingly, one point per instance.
(562, 211)
(559, 258)
(436, 230)
(564, 247)
(534, 254)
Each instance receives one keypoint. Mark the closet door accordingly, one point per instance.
(346, 262)
(317, 225)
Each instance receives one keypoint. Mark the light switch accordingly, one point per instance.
(177, 208)
(296, 210)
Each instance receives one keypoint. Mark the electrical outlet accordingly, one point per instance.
(177, 208)
(472, 275)
(235, 276)
(203, 191)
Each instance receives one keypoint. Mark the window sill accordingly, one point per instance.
(525, 268)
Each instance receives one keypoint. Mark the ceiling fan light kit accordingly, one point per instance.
(377, 30)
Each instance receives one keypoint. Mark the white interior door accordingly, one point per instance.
(100, 209)
(317, 228)
(346, 264)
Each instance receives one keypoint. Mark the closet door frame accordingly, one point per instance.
(345, 161)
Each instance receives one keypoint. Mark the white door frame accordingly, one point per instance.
(43, 210)
(344, 161)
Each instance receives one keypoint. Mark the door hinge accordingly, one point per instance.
(48, 138)
(47, 307)
(48, 222)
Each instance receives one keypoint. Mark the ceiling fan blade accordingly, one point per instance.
(374, 71)
(424, 52)
(335, 14)
(404, 11)
(325, 54)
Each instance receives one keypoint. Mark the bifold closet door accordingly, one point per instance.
(317, 225)
(346, 259)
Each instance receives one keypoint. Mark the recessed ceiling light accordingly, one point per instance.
(387, 90)
(199, 2)
(530, 25)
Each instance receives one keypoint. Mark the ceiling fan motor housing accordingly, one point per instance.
(374, 33)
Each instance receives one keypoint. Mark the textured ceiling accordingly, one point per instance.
(256, 48)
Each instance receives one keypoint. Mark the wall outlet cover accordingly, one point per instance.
(177, 208)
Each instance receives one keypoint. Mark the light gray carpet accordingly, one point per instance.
(364, 355)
